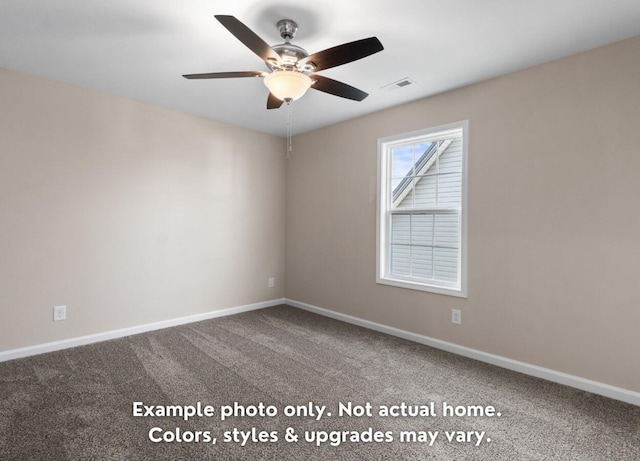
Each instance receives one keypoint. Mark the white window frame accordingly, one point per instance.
(384, 213)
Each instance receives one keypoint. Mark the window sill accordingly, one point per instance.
(422, 286)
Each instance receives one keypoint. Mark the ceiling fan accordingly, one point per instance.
(292, 68)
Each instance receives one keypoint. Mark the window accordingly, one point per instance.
(422, 222)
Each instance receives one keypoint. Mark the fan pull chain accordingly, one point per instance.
(289, 129)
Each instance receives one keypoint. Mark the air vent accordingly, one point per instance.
(399, 84)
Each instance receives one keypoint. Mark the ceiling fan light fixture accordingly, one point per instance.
(287, 84)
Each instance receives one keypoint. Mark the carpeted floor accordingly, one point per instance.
(78, 404)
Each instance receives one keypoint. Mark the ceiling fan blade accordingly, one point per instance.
(273, 102)
(342, 54)
(251, 73)
(249, 38)
(337, 88)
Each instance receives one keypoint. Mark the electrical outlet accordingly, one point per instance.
(271, 282)
(59, 313)
(456, 316)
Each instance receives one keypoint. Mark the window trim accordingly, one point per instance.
(383, 220)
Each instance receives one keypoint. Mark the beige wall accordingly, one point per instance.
(554, 217)
(128, 213)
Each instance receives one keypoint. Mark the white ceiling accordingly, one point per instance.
(140, 48)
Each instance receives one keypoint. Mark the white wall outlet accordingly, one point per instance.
(271, 282)
(456, 316)
(59, 313)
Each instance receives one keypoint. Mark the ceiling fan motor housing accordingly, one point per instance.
(290, 54)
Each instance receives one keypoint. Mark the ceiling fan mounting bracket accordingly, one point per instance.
(287, 28)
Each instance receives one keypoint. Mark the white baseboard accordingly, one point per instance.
(577, 382)
(80, 341)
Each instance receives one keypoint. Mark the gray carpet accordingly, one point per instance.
(77, 404)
